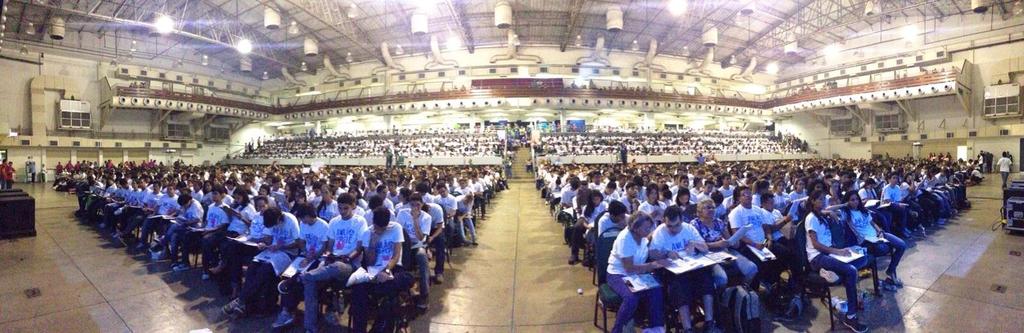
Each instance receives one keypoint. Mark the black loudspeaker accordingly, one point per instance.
(17, 215)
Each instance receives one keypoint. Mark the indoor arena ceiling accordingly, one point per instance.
(353, 30)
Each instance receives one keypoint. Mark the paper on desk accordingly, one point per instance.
(279, 259)
(763, 254)
(362, 275)
(641, 282)
(688, 263)
(854, 255)
(296, 267)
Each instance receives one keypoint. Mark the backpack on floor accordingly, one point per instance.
(741, 310)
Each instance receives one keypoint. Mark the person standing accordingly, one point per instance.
(623, 153)
(30, 169)
(1004, 167)
(7, 174)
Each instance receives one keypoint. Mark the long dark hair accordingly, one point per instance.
(591, 206)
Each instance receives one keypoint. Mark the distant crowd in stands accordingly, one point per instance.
(361, 235)
(399, 143)
(902, 74)
(684, 141)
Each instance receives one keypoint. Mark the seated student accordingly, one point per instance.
(436, 239)
(629, 257)
(653, 205)
(417, 224)
(872, 237)
(673, 239)
(593, 209)
(280, 234)
(716, 234)
(150, 205)
(779, 244)
(116, 197)
(683, 202)
(167, 207)
(327, 208)
(314, 233)
(381, 249)
(464, 218)
(235, 254)
(756, 236)
(178, 236)
(820, 251)
(615, 221)
(216, 229)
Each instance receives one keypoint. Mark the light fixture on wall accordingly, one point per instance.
(579, 40)
(31, 30)
(132, 48)
(303, 66)
(24, 50)
(293, 28)
(399, 50)
(909, 32)
(635, 46)
(348, 57)
(206, 60)
(266, 76)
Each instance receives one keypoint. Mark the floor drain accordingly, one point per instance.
(999, 288)
(32, 292)
(1015, 253)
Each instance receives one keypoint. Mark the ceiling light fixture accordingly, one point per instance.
(206, 60)
(579, 40)
(399, 50)
(453, 43)
(303, 67)
(676, 7)
(772, 68)
(352, 11)
(244, 46)
(31, 30)
(132, 48)
(635, 46)
(266, 76)
(293, 28)
(831, 50)
(348, 57)
(164, 24)
(909, 32)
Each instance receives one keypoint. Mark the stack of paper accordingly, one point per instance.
(854, 255)
(688, 263)
(279, 259)
(763, 254)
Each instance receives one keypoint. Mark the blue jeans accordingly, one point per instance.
(467, 223)
(1004, 175)
(311, 282)
(847, 272)
(631, 301)
(895, 245)
(745, 266)
(440, 245)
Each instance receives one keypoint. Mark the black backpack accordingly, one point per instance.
(740, 310)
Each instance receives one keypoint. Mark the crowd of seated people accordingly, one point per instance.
(406, 143)
(684, 141)
(808, 213)
(369, 230)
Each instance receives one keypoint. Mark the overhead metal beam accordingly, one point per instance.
(135, 23)
(574, 19)
(357, 37)
(457, 10)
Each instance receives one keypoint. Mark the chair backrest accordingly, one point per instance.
(800, 242)
(603, 250)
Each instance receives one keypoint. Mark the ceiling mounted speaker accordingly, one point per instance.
(710, 37)
(419, 24)
(980, 6)
(245, 64)
(309, 47)
(502, 14)
(614, 19)
(57, 28)
(271, 19)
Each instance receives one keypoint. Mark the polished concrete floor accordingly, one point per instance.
(516, 280)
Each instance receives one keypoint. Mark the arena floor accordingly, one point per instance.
(516, 280)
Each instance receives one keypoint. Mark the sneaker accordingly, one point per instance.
(158, 255)
(283, 319)
(282, 287)
(141, 246)
(895, 280)
(206, 276)
(102, 226)
(331, 319)
(439, 278)
(829, 276)
(234, 308)
(854, 324)
(181, 267)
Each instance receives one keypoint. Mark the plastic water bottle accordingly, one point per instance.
(839, 304)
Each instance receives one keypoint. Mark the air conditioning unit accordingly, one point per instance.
(74, 115)
(1002, 101)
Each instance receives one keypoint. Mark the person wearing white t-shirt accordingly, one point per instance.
(216, 231)
(281, 234)
(417, 223)
(820, 251)
(629, 257)
(186, 223)
(614, 221)
(315, 235)
(653, 206)
(756, 236)
(382, 247)
(675, 239)
(1004, 164)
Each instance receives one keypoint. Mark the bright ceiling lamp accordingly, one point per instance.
(831, 50)
(676, 7)
(244, 46)
(909, 32)
(453, 43)
(164, 24)
(772, 68)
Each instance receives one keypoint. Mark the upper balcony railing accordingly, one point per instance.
(523, 88)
